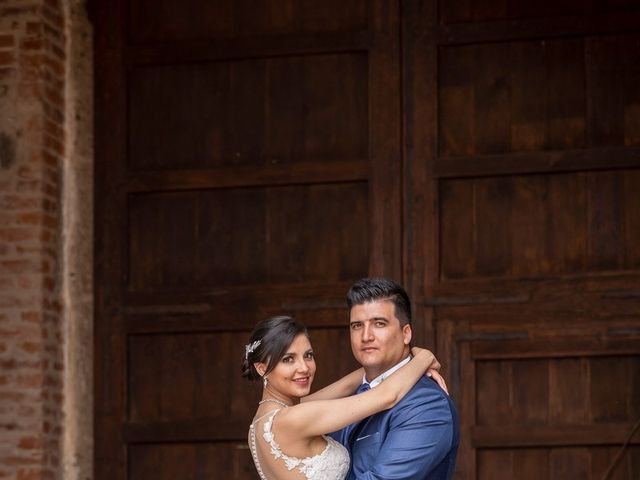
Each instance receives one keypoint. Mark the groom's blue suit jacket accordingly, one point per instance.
(417, 439)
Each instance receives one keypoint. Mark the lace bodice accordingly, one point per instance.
(331, 464)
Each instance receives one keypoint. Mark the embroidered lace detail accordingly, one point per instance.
(331, 464)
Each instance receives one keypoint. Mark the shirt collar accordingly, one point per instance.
(380, 378)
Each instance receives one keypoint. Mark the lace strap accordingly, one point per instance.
(254, 451)
(265, 415)
(252, 441)
(276, 451)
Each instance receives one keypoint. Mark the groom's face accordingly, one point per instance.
(378, 341)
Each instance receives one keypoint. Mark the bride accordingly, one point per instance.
(286, 437)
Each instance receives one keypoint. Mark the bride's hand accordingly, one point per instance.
(438, 378)
(434, 365)
(433, 370)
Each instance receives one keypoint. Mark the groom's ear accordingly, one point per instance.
(407, 333)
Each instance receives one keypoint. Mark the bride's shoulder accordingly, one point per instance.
(289, 420)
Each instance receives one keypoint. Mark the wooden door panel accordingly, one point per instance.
(546, 94)
(197, 461)
(591, 390)
(525, 464)
(249, 165)
(615, 71)
(522, 122)
(555, 463)
(167, 20)
(512, 97)
(563, 401)
(186, 376)
(539, 225)
(523, 96)
(465, 11)
(182, 239)
(249, 112)
(246, 236)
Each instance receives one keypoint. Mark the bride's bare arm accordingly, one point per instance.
(318, 417)
(344, 387)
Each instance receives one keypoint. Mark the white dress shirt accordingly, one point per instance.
(380, 378)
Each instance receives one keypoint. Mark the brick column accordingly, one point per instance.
(32, 146)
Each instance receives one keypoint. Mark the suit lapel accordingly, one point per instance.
(357, 428)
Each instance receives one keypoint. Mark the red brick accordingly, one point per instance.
(26, 411)
(18, 234)
(20, 266)
(31, 347)
(35, 317)
(29, 443)
(7, 218)
(54, 128)
(49, 283)
(51, 190)
(27, 281)
(24, 250)
(12, 396)
(14, 202)
(31, 43)
(10, 301)
(51, 160)
(34, 27)
(30, 381)
(32, 65)
(8, 332)
(30, 218)
(16, 460)
(27, 173)
(29, 474)
(6, 58)
(6, 41)
(56, 98)
(59, 52)
(56, 66)
(31, 186)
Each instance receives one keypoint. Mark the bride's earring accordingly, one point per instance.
(264, 382)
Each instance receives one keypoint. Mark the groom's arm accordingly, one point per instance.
(420, 436)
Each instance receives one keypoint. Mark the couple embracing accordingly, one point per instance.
(390, 419)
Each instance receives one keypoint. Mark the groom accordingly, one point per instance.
(418, 438)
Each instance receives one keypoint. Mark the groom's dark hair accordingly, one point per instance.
(375, 289)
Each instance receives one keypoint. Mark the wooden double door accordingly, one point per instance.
(255, 158)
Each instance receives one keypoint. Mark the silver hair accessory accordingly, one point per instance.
(249, 348)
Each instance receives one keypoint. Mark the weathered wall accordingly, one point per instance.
(42, 165)
(77, 241)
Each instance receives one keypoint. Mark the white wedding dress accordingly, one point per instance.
(331, 464)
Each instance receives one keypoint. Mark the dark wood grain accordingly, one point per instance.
(255, 158)
(250, 165)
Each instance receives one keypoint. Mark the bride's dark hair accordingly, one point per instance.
(269, 342)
